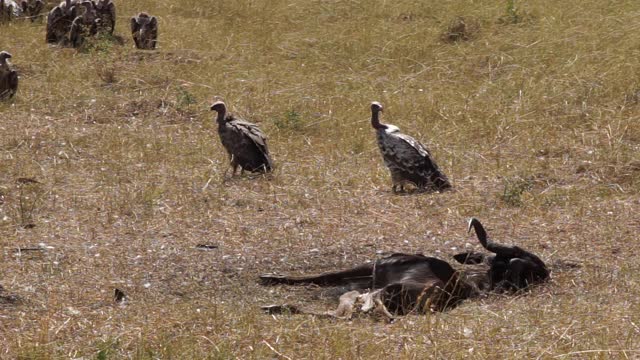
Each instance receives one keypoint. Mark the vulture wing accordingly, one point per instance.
(254, 133)
(256, 136)
(408, 154)
(8, 84)
(13, 83)
(112, 13)
(405, 155)
(134, 25)
(421, 155)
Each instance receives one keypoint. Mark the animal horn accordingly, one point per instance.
(486, 242)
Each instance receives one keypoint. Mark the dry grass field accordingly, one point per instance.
(535, 116)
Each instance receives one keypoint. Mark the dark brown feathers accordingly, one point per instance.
(244, 141)
(144, 29)
(59, 22)
(106, 12)
(84, 26)
(8, 77)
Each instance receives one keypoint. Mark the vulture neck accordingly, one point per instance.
(375, 121)
(222, 117)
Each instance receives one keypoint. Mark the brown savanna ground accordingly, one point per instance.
(535, 118)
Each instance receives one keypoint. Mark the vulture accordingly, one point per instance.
(407, 159)
(8, 10)
(84, 26)
(244, 141)
(144, 29)
(32, 8)
(106, 12)
(8, 77)
(59, 22)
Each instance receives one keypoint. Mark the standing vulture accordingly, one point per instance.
(32, 8)
(106, 12)
(144, 29)
(8, 77)
(84, 26)
(19, 8)
(244, 141)
(59, 22)
(8, 10)
(407, 159)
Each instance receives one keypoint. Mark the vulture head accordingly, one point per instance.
(220, 108)
(376, 107)
(3, 58)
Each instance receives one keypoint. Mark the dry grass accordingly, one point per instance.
(534, 117)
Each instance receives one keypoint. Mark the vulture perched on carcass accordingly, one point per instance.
(407, 159)
(84, 26)
(8, 77)
(244, 141)
(144, 29)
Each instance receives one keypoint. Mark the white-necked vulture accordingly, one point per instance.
(407, 159)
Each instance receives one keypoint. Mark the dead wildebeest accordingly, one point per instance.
(403, 283)
(144, 29)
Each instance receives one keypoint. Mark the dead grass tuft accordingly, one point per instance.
(460, 29)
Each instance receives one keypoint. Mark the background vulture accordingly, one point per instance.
(245, 143)
(59, 22)
(106, 12)
(407, 159)
(8, 77)
(84, 26)
(144, 29)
